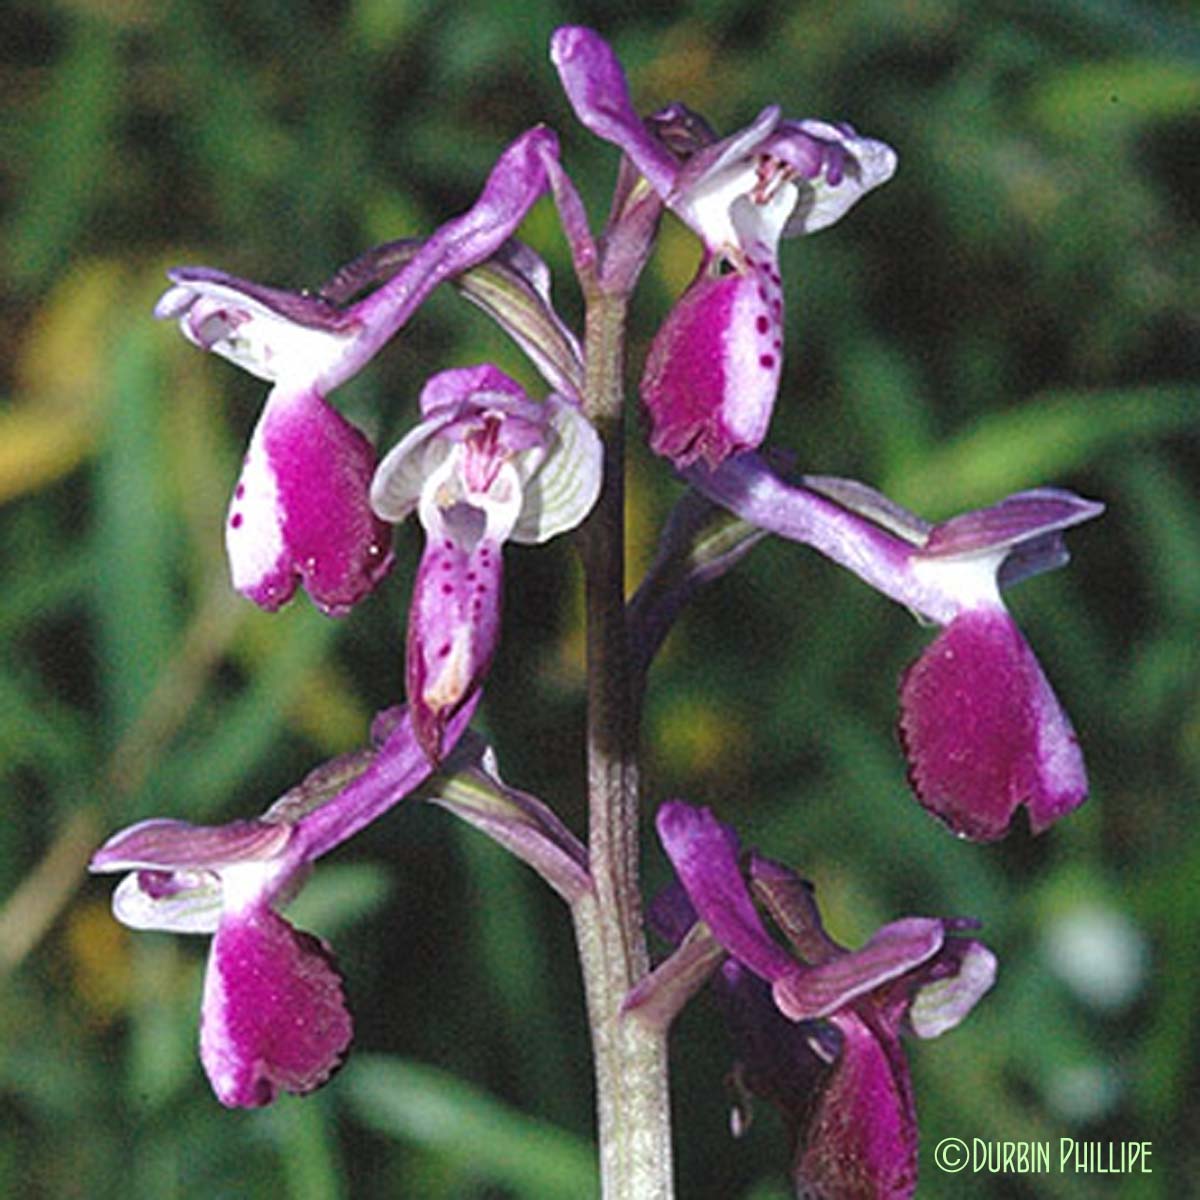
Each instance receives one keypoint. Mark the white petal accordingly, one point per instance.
(232, 324)
(969, 582)
(759, 226)
(400, 477)
(707, 207)
(562, 491)
(195, 908)
(254, 525)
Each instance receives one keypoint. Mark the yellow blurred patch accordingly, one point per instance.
(58, 409)
(849, 912)
(689, 68)
(692, 737)
(327, 711)
(98, 951)
(676, 257)
(320, 700)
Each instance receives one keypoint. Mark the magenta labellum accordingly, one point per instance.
(984, 732)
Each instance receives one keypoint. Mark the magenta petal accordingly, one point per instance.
(984, 733)
(712, 373)
(479, 384)
(453, 629)
(274, 1015)
(595, 85)
(861, 1142)
(516, 182)
(300, 512)
(1022, 517)
(169, 845)
(893, 951)
(704, 853)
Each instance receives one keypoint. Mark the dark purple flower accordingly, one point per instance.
(817, 1027)
(486, 465)
(713, 369)
(274, 1017)
(980, 724)
(300, 512)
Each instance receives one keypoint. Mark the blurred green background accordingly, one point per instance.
(1019, 306)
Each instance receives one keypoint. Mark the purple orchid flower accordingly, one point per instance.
(982, 729)
(300, 512)
(818, 1026)
(273, 1013)
(713, 370)
(486, 465)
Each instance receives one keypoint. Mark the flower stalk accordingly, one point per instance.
(630, 1059)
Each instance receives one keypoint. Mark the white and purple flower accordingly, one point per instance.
(273, 1015)
(816, 1027)
(982, 729)
(300, 512)
(713, 370)
(485, 466)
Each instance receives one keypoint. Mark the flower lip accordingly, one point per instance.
(274, 1014)
(283, 530)
(984, 733)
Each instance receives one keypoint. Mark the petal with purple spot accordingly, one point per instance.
(300, 512)
(453, 630)
(712, 373)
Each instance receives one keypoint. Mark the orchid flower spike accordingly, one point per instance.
(486, 465)
(273, 1014)
(713, 369)
(817, 1026)
(983, 731)
(300, 512)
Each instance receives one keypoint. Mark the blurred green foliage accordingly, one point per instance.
(1019, 306)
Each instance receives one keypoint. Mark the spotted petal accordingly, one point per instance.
(300, 512)
(453, 631)
(711, 376)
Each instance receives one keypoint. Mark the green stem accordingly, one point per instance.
(633, 1100)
